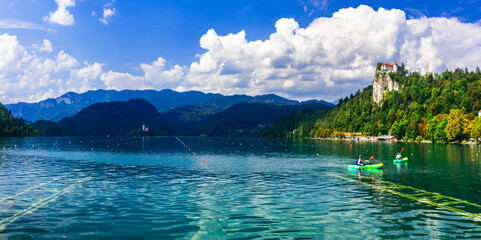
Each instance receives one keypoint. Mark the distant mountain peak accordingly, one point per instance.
(70, 103)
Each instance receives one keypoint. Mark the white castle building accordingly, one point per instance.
(391, 68)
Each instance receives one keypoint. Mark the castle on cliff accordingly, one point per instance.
(382, 82)
(391, 68)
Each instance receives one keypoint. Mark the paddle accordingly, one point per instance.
(370, 158)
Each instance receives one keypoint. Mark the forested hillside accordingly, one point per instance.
(115, 119)
(436, 107)
(248, 119)
(13, 127)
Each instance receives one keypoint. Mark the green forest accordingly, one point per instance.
(436, 107)
(14, 127)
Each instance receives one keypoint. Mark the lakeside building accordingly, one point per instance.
(387, 138)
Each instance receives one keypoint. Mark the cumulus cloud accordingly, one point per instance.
(107, 15)
(47, 46)
(27, 76)
(90, 71)
(156, 76)
(328, 59)
(31, 76)
(333, 56)
(61, 16)
(121, 81)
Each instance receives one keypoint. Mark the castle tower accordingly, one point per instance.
(394, 67)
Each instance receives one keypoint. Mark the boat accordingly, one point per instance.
(370, 166)
(400, 160)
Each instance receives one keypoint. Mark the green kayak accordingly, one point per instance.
(400, 160)
(371, 166)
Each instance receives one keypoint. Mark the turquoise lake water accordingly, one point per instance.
(157, 188)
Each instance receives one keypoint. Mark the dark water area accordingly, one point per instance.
(235, 188)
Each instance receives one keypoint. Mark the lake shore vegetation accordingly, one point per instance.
(11, 126)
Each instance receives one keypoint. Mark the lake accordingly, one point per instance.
(235, 188)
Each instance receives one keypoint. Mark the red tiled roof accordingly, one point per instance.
(395, 63)
(387, 64)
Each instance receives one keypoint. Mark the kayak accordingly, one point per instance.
(371, 166)
(400, 160)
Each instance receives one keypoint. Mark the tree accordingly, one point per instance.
(14, 127)
(398, 129)
(476, 130)
(455, 129)
(431, 129)
(440, 134)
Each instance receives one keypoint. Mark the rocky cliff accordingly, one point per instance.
(382, 83)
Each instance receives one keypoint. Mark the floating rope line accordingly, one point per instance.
(430, 198)
(30, 189)
(180, 141)
(39, 204)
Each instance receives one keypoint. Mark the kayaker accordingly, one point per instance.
(360, 161)
(398, 156)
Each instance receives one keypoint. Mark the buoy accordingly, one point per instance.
(25, 159)
(194, 154)
(67, 152)
(285, 150)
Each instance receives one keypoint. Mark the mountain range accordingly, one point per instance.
(194, 113)
(132, 116)
(181, 103)
(69, 104)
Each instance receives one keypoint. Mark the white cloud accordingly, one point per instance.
(19, 24)
(328, 59)
(33, 76)
(47, 46)
(85, 78)
(159, 78)
(90, 71)
(26, 76)
(156, 76)
(122, 81)
(64, 61)
(333, 56)
(107, 15)
(61, 16)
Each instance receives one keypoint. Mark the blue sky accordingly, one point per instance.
(299, 49)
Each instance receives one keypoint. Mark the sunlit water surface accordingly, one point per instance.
(218, 188)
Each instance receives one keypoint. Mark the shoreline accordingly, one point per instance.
(374, 139)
